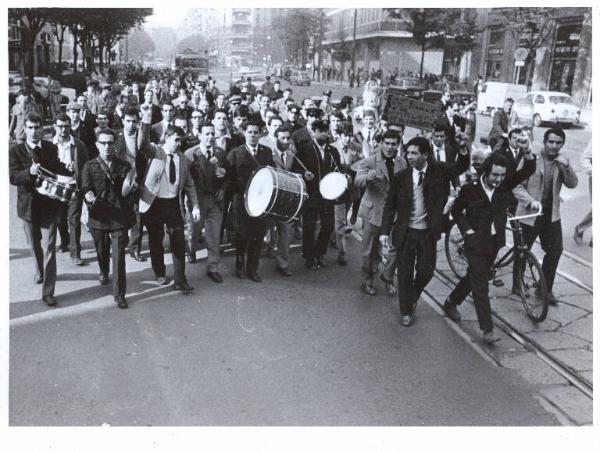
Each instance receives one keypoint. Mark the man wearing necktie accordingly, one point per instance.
(208, 172)
(167, 178)
(40, 214)
(413, 213)
(249, 231)
(157, 133)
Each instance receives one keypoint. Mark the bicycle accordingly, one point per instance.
(533, 290)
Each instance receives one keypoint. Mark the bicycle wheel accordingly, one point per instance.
(454, 247)
(534, 293)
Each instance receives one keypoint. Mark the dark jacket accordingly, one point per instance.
(397, 209)
(241, 165)
(204, 176)
(472, 209)
(499, 127)
(32, 206)
(111, 211)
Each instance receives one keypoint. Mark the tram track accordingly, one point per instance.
(570, 375)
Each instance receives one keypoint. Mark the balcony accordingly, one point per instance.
(241, 10)
(372, 28)
(240, 21)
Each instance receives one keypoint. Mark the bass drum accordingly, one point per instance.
(333, 186)
(273, 192)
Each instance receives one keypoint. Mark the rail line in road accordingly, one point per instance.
(582, 384)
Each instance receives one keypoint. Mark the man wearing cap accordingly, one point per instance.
(22, 107)
(73, 154)
(267, 87)
(277, 93)
(293, 121)
(82, 125)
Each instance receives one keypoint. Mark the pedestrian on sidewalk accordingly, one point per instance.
(586, 222)
(542, 189)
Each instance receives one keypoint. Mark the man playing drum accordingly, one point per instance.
(40, 214)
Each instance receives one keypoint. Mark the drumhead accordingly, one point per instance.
(259, 192)
(333, 185)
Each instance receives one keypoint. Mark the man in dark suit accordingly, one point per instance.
(83, 122)
(40, 214)
(73, 154)
(105, 189)
(314, 160)
(157, 132)
(208, 172)
(500, 122)
(413, 213)
(480, 213)
(128, 143)
(250, 231)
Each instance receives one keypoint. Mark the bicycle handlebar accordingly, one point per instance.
(538, 213)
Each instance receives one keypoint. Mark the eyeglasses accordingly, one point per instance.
(105, 143)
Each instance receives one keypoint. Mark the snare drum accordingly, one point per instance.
(275, 193)
(333, 186)
(56, 187)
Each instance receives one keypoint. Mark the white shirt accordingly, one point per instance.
(515, 152)
(166, 189)
(441, 150)
(204, 151)
(418, 214)
(34, 145)
(252, 150)
(64, 149)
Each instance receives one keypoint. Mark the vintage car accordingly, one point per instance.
(553, 107)
(299, 78)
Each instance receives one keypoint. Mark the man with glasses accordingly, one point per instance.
(39, 213)
(293, 116)
(157, 132)
(106, 182)
(167, 177)
(193, 135)
(73, 154)
(208, 172)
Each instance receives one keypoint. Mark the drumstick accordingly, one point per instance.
(300, 162)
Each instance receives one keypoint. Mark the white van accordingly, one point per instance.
(492, 95)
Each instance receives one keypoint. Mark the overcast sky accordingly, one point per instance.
(167, 16)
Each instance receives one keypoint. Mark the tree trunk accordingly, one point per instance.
(101, 55)
(530, 65)
(582, 78)
(74, 51)
(422, 61)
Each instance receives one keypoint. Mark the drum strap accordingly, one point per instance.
(106, 171)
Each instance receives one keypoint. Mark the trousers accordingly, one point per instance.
(41, 239)
(371, 254)
(69, 226)
(115, 240)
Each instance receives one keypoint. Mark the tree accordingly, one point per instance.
(140, 43)
(530, 28)
(300, 32)
(31, 21)
(432, 27)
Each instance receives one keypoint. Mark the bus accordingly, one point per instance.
(193, 62)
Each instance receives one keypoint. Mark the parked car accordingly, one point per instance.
(287, 72)
(553, 107)
(493, 94)
(40, 85)
(458, 92)
(300, 78)
(411, 87)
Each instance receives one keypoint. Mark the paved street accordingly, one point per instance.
(297, 351)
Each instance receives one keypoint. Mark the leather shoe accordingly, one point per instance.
(451, 311)
(50, 300)
(77, 261)
(240, 270)
(342, 259)
(162, 280)
(137, 256)
(38, 279)
(63, 248)
(191, 258)
(121, 302)
(183, 286)
(311, 264)
(103, 279)
(406, 320)
(490, 337)
(390, 288)
(321, 262)
(368, 289)
(255, 277)
(270, 253)
(283, 271)
(578, 236)
(215, 277)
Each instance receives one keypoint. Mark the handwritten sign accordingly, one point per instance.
(410, 112)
